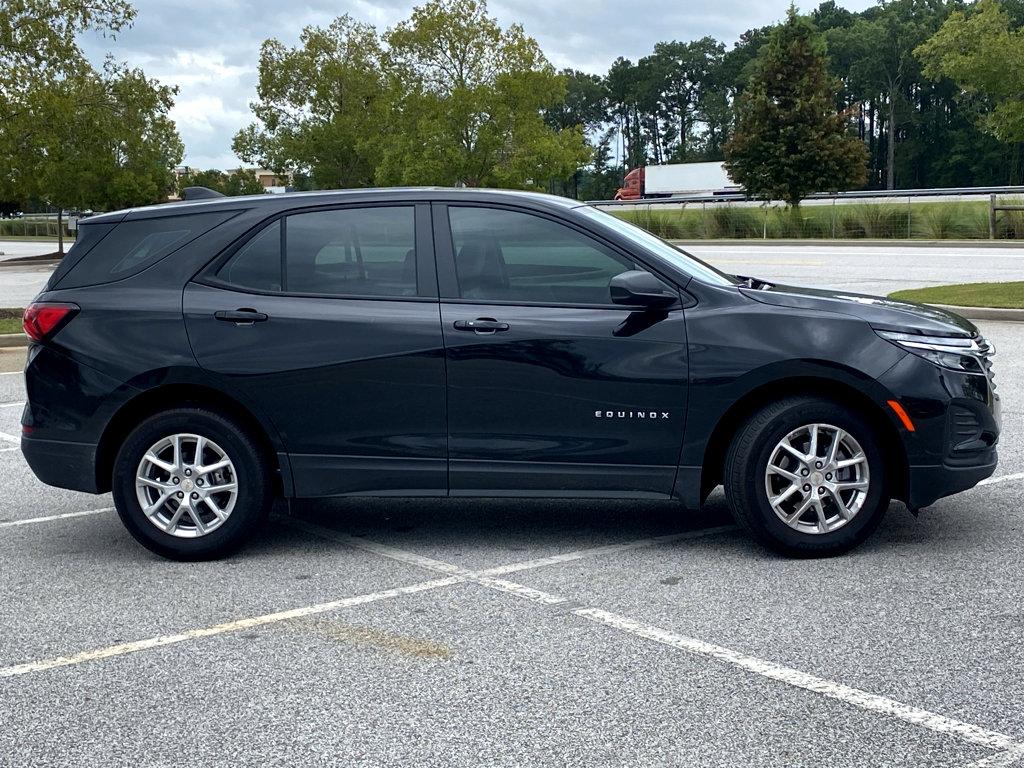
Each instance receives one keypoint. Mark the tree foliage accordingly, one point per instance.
(919, 127)
(38, 40)
(447, 97)
(73, 136)
(982, 52)
(317, 106)
(789, 139)
(238, 182)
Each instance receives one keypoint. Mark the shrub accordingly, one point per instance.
(939, 221)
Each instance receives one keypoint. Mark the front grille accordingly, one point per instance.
(985, 352)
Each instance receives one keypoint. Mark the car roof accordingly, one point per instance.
(288, 200)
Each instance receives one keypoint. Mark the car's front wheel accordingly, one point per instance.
(805, 476)
(190, 484)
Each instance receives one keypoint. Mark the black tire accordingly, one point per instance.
(253, 484)
(747, 460)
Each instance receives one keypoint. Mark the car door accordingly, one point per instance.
(553, 390)
(327, 320)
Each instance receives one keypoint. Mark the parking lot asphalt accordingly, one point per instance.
(473, 632)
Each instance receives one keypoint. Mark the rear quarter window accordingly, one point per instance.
(89, 235)
(135, 245)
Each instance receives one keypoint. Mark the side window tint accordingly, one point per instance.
(353, 251)
(511, 256)
(257, 264)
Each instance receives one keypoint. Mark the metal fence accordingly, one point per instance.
(43, 227)
(954, 213)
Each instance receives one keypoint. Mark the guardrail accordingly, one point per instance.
(969, 213)
(733, 197)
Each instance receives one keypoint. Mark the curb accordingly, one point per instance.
(984, 313)
(13, 340)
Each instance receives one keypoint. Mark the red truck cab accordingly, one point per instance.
(632, 186)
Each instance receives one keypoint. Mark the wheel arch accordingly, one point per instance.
(890, 442)
(176, 395)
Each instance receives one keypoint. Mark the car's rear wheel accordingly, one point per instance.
(805, 476)
(190, 484)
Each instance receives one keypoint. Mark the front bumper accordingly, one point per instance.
(63, 464)
(957, 420)
(928, 483)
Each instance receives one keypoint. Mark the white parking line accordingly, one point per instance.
(9, 437)
(11, 405)
(1009, 749)
(1002, 479)
(414, 559)
(455, 576)
(60, 517)
(11, 373)
(12, 448)
(831, 689)
(226, 627)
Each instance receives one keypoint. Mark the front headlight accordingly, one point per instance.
(953, 352)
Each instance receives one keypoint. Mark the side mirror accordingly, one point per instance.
(637, 288)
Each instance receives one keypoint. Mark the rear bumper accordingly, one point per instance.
(63, 464)
(927, 483)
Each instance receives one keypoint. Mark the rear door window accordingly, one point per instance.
(364, 251)
(133, 246)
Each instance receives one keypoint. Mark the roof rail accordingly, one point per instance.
(200, 193)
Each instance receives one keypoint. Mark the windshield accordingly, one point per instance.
(688, 263)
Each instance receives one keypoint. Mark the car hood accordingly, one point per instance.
(888, 314)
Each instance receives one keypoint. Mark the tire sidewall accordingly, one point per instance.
(771, 526)
(250, 469)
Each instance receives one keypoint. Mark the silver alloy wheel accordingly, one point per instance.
(817, 478)
(186, 485)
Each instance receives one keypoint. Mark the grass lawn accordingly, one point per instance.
(10, 320)
(1003, 295)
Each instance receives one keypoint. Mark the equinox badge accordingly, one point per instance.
(631, 414)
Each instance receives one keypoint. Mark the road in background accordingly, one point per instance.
(15, 249)
(864, 269)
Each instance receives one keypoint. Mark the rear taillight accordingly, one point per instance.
(44, 319)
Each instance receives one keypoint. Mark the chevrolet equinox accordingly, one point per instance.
(200, 358)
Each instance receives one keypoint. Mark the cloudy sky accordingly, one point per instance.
(209, 48)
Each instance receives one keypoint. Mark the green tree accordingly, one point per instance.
(982, 53)
(466, 103)
(584, 107)
(584, 104)
(789, 139)
(239, 182)
(876, 54)
(38, 42)
(72, 136)
(242, 182)
(93, 141)
(317, 106)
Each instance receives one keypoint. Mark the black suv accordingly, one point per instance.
(200, 358)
